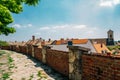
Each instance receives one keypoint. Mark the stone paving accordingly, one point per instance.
(28, 68)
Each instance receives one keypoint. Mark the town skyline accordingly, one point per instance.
(67, 19)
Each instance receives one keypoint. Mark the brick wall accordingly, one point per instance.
(100, 67)
(30, 50)
(38, 53)
(5, 47)
(23, 49)
(93, 66)
(17, 49)
(14, 47)
(58, 60)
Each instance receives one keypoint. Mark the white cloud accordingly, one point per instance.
(80, 26)
(38, 33)
(22, 26)
(29, 25)
(44, 28)
(109, 3)
(17, 26)
(66, 26)
(69, 31)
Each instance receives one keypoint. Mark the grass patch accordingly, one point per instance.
(2, 64)
(23, 79)
(39, 74)
(5, 76)
(2, 52)
(31, 77)
(8, 64)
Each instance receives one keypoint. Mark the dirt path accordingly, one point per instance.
(27, 68)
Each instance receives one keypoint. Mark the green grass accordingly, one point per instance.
(23, 79)
(10, 60)
(2, 64)
(2, 52)
(8, 65)
(5, 76)
(31, 77)
(39, 74)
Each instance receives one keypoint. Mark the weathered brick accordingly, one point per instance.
(58, 60)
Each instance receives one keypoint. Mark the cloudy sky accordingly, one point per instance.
(57, 19)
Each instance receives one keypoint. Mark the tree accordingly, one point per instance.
(7, 7)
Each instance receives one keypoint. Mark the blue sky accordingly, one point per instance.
(57, 19)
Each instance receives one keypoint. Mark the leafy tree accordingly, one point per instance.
(11, 6)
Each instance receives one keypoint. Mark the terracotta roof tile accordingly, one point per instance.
(100, 47)
(80, 41)
(75, 41)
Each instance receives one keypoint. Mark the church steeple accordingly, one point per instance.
(110, 39)
(110, 34)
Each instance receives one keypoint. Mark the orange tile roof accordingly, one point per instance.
(58, 42)
(80, 41)
(75, 41)
(99, 48)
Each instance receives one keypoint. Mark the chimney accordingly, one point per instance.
(33, 38)
(101, 45)
(67, 39)
(62, 40)
(70, 43)
(43, 42)
(40, 38)
(49, 40)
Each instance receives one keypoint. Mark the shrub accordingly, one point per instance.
(3, 43)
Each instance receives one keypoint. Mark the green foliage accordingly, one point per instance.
(5, 76)
(39, 74)
(10, 64)
(31, 77)
(23, 79)
(11, 6)
(2, 52)
(113, 47)
(3, 43)
(10, 59)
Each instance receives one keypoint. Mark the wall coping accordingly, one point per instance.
(103, 55)
(78, 48)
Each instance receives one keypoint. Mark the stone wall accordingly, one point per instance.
(58, 60)
(75, 62)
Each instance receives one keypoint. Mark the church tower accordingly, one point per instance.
(110, 34)
(110, 39)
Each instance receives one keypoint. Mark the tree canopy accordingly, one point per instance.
(7, 7)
